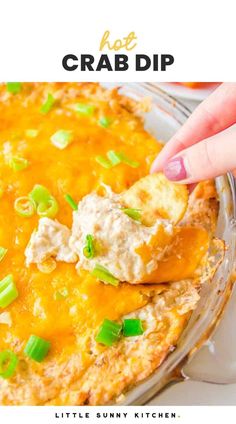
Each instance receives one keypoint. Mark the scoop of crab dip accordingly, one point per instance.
(51, 239)
(116, 237)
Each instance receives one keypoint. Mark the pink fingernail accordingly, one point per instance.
(175, 170)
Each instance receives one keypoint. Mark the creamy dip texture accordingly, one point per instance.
(50, 240)
(116, 236)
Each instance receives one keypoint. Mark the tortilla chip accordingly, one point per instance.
(182, 259)
(157, 197)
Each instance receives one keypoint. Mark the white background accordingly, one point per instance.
(185, 415)
(35, 35)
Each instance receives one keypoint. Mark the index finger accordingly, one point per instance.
(213, 115)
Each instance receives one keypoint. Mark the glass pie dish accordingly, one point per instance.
(78, 364)
(162, 121)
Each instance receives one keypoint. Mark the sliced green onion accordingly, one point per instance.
(132, 327)
(8, 291)
(103, 162)
(89, 249)
(3, 252)
(48, 209)
(17, 163)
(84, 109)
(61, 294)
(104, 275)
(37, 348)
(133, 213)
(47, 205)
(117, 157)
(24, 206)
(109, 332)
(128, 161)
(47, 266)
(8, 363)
(71, 202)
(31, 133)
(48, 104)
(114, 157)
(105, 122)
(14, 87)
(39, 194)
(62, 138)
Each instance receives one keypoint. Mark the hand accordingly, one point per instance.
(205, 146)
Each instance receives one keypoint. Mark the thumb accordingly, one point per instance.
(209, 158)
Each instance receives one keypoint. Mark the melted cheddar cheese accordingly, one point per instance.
(78, 370)
(65, 322)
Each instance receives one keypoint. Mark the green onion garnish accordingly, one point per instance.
(71, 202)
(104, 275)
(39, 194)
(46, 204)
(18, 164)
(105, 122)
(114, 157)
(48, 209)
(8, 291)
(24, 206)
(133, 213)
(48, 104)
(103, 162)
(3, 252)
(31, 133)
(84, 109)
(14, 87)
(109, 332)
(37, 348)
(132, 327)
(89, 249)
(62, 138)
(127, 161)
(8, 363)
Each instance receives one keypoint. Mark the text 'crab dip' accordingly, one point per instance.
(100, 262)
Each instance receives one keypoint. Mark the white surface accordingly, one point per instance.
(37, 35)
(215, 362)
(195, 393)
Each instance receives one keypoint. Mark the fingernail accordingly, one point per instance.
(175, 170)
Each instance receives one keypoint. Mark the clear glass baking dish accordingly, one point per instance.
(164, 118)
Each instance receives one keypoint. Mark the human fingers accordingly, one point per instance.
(207, 159)
(213, 115)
